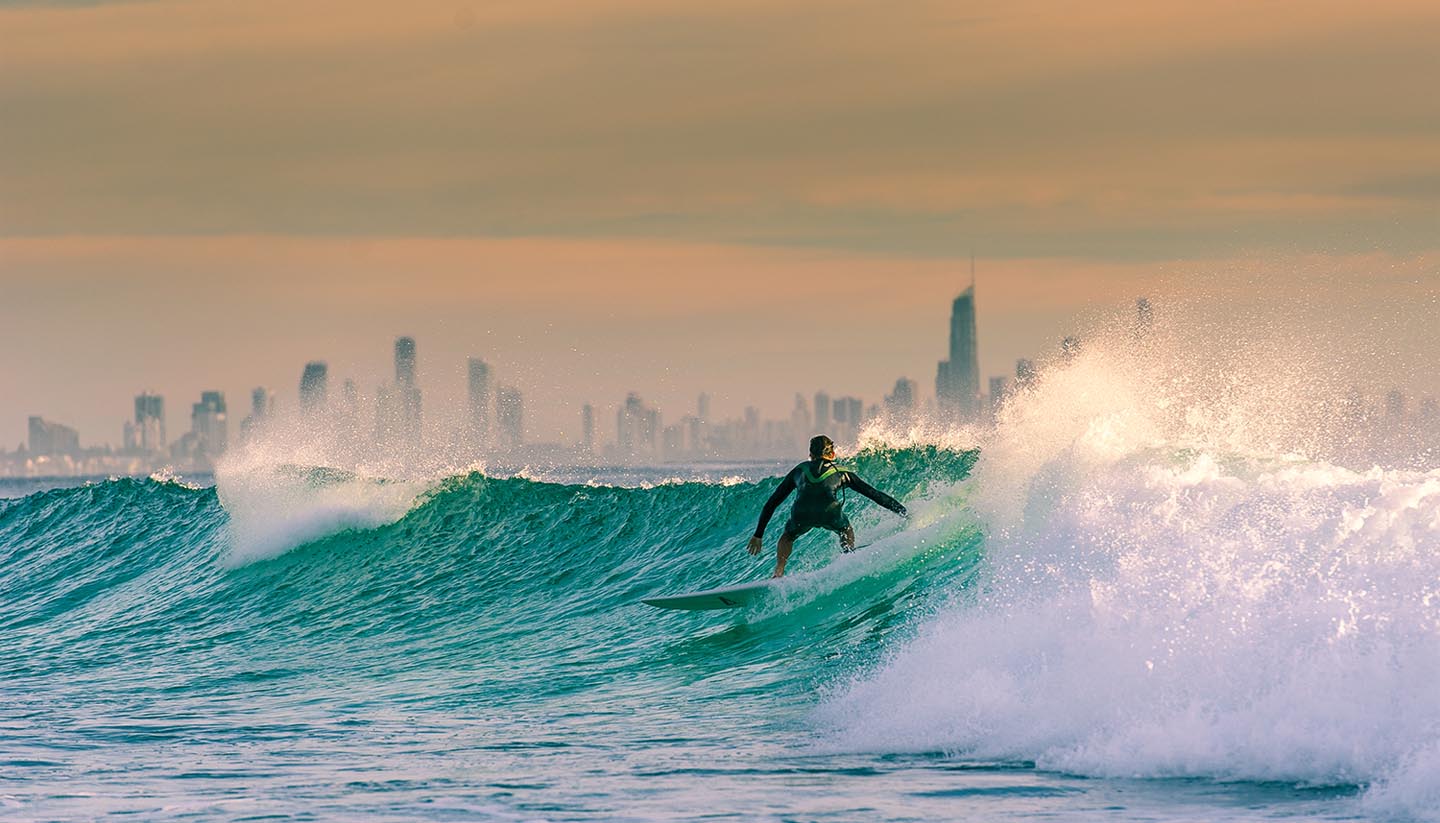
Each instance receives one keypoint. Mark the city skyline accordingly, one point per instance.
(492, 422)
(326, 375)
(1018, 318)
(641, 432)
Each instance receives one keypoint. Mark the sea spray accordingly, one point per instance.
(293, 481)
(1182, 581)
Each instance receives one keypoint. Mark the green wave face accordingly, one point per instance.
(502, 598)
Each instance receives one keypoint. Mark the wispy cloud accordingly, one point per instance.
(1123, 131)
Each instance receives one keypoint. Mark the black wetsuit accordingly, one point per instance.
(818, 502)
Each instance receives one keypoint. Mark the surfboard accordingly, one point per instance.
(725, 597)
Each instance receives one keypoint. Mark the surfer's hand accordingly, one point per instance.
(755, 545)
(902, 511)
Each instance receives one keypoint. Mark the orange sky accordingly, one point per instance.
(605, 196)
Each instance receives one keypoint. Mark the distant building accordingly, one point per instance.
(407, 394)
(637, 428)
(510, 417)
(999, 389)
(750, 429)
(822, 411)
(847, 415)
(149, 431)
(699, 426)
(625, 424)
(405, 361)
(672, 441)
(957, 380)
(800, 415)
(900, 403)
(696, 435)
(262, 402)
(478, 386)
(587, 428)
(209, 425)
(313, 387)
(52, 439)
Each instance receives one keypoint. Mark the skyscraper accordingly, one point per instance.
(405, 361)
(261, 405)
(800, 416)
(150, 421)
(822, 411)
(313, 386)
(407, 393)
(846, 416)
(478, 383)
(637, 427)
(957, 380)
(587, 428)
(209, 425)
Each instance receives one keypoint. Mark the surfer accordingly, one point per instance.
(818, 503)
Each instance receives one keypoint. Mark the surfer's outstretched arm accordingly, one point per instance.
(776, 498)
(853, 481)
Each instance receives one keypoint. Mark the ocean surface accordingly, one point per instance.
(1085, 618)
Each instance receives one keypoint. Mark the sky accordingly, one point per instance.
(745, 198)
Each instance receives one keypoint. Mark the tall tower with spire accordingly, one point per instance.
(957, 380)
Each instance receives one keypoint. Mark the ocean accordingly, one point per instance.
(1092, 613)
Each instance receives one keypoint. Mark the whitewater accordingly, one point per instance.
(1164, 586)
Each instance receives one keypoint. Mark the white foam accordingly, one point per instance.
(293, 484)
(1178, 586)
(272, 512)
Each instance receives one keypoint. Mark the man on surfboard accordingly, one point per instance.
(818, 481)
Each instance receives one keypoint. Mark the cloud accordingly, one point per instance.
(1139, 131)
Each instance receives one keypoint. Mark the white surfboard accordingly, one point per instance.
(725, 597)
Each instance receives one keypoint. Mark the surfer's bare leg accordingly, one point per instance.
(847, 539)
(782, 554)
